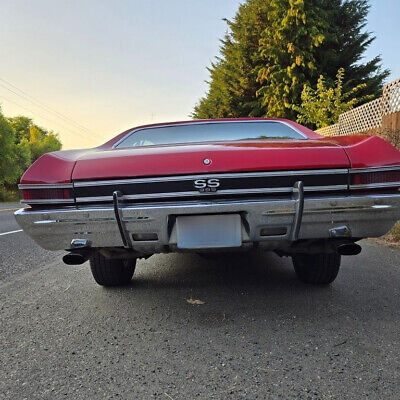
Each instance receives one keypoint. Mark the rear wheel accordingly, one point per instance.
(317, 269)
(111, 272)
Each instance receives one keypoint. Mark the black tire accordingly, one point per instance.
(111, 272)
(317, 269)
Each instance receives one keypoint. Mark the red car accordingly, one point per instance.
(213, 185)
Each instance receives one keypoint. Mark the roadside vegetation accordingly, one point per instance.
(396, 232)
(21, 143)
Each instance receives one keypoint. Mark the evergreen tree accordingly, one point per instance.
(274, 47)
(288, 49)
(233, 77)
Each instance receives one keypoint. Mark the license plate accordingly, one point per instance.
(209, 231)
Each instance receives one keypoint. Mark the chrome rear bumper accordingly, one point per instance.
(363, 216)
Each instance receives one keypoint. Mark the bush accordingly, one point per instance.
(21, 143)
(8, 195)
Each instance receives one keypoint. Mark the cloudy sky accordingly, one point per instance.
(89, 69)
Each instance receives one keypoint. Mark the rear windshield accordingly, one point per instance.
(210, 132)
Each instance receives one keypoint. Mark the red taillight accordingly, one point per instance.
(45, 194)
(378, 178)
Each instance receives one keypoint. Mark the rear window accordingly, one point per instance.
(209, 132)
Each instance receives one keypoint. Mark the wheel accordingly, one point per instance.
(111, 272)
(318, 269)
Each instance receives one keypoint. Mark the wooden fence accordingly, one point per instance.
(378, 117)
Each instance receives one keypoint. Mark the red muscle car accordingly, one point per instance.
(213, 185)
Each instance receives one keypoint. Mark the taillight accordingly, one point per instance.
(375, 179)
(46, 194)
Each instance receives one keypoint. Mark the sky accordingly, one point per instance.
(90, 69)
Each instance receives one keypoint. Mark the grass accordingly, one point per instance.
(393, 237)
(395, 232)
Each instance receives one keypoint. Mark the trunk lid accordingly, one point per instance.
(187, 159)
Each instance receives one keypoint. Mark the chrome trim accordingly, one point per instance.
(48, 201)
(182, 194)
(375, 185)
(374, 169)
(120, 221)
(218, 193)
(365, 216)
(298, 194)
(325, 188)
(80, 243)
(340, 231)
(331, 209)
(46, 186)
(213, 175)
(115, 146)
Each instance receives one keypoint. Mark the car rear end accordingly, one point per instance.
(268, 204)
(301, 196)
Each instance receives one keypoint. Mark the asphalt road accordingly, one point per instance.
(260, 333)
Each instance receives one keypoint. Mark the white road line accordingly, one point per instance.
(9, 209)
(9, 233)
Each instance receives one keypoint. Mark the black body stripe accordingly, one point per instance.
(187, 185)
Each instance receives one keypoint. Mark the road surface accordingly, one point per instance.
(260, 333)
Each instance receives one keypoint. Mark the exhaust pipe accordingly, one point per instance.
(349, 249)
(80, 252)
(76, 258)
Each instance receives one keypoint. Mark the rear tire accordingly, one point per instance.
(317, 269)
(111, 272)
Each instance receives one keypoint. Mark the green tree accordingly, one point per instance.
(274, 47)
(344, 46)
(322, 106)
(287, 47)
(21, 143)
(9, 170)
(33, 140)
(23, 156)
(21, 126)
(233, 76)
(41, 142)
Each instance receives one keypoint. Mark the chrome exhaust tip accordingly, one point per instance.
(80, 252)
(75, 258)
(349, 249)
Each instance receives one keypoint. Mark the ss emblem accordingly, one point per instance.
(207, 185)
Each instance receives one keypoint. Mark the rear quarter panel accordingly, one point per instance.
(367, 151)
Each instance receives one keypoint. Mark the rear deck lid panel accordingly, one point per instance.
(225, 157)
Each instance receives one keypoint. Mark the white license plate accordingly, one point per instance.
(209, 231)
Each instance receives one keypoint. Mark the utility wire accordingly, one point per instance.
(42, 105)
(41, 116)
(48, 109)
